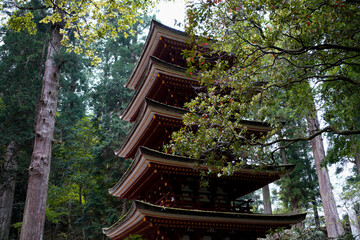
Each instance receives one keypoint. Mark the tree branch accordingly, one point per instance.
(294, 140)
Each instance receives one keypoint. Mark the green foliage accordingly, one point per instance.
(300, 190)
(298, 233)
(351, 197)
(20, 84)
(342, 109)
(303, 234)
(21, 58)
(20, 23)
(2, 105)
(271, 61)
(58, 197)
(84, 165)
(134, 237)
(352, 189)
(17, 226)
(87, 21)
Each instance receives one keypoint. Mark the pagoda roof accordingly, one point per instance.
(150, 80)
(156, 33)
(152, 115)
(143, 216)
(147, 163)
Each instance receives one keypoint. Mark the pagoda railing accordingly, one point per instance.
(242, 206)
(179, 201)
(193, 202)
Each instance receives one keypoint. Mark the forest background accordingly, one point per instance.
(88, 130)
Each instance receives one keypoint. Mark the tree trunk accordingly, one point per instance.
(35, 205)
(7, 189)
(316, 213)
(357, 162)
(266, 199)
(332, 220)
(354, 222)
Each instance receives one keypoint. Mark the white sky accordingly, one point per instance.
(171, 12)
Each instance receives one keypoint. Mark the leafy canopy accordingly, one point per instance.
(86, 21)
(271, 61)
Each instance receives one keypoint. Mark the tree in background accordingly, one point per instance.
(344, 102)
(300, 190)
(20, 83)
(108, 99)
(74, 138)
(276, 62)
(88, 21)
(84, 162)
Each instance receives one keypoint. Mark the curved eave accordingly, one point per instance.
(143, 216)
(126, 224)
(147, 161)
(156, 67)
(150, 110)
(157, 30)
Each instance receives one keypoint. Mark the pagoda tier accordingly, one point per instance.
(156, 122)
(164, 83)
(169, 180)
(164, 43)
(156, 222)
(153, 128)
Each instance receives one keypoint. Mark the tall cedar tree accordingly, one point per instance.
(300, 189)
(20, 83)
(84, 163)
(74, 139)
(88, 21)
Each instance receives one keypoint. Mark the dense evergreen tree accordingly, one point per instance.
(20, 81)
(83, 160)
(65, 18)
(300, 190)
(84, 163)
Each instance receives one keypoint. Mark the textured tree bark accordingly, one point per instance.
(7, 189)
(266, 200)
(332, 220)
(316, 213)
(354, 222)
(35, 205)
(357, 161)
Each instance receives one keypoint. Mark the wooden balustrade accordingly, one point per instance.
(179, 201)
(193, 202)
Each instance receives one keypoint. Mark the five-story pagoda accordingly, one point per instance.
(170, 202)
